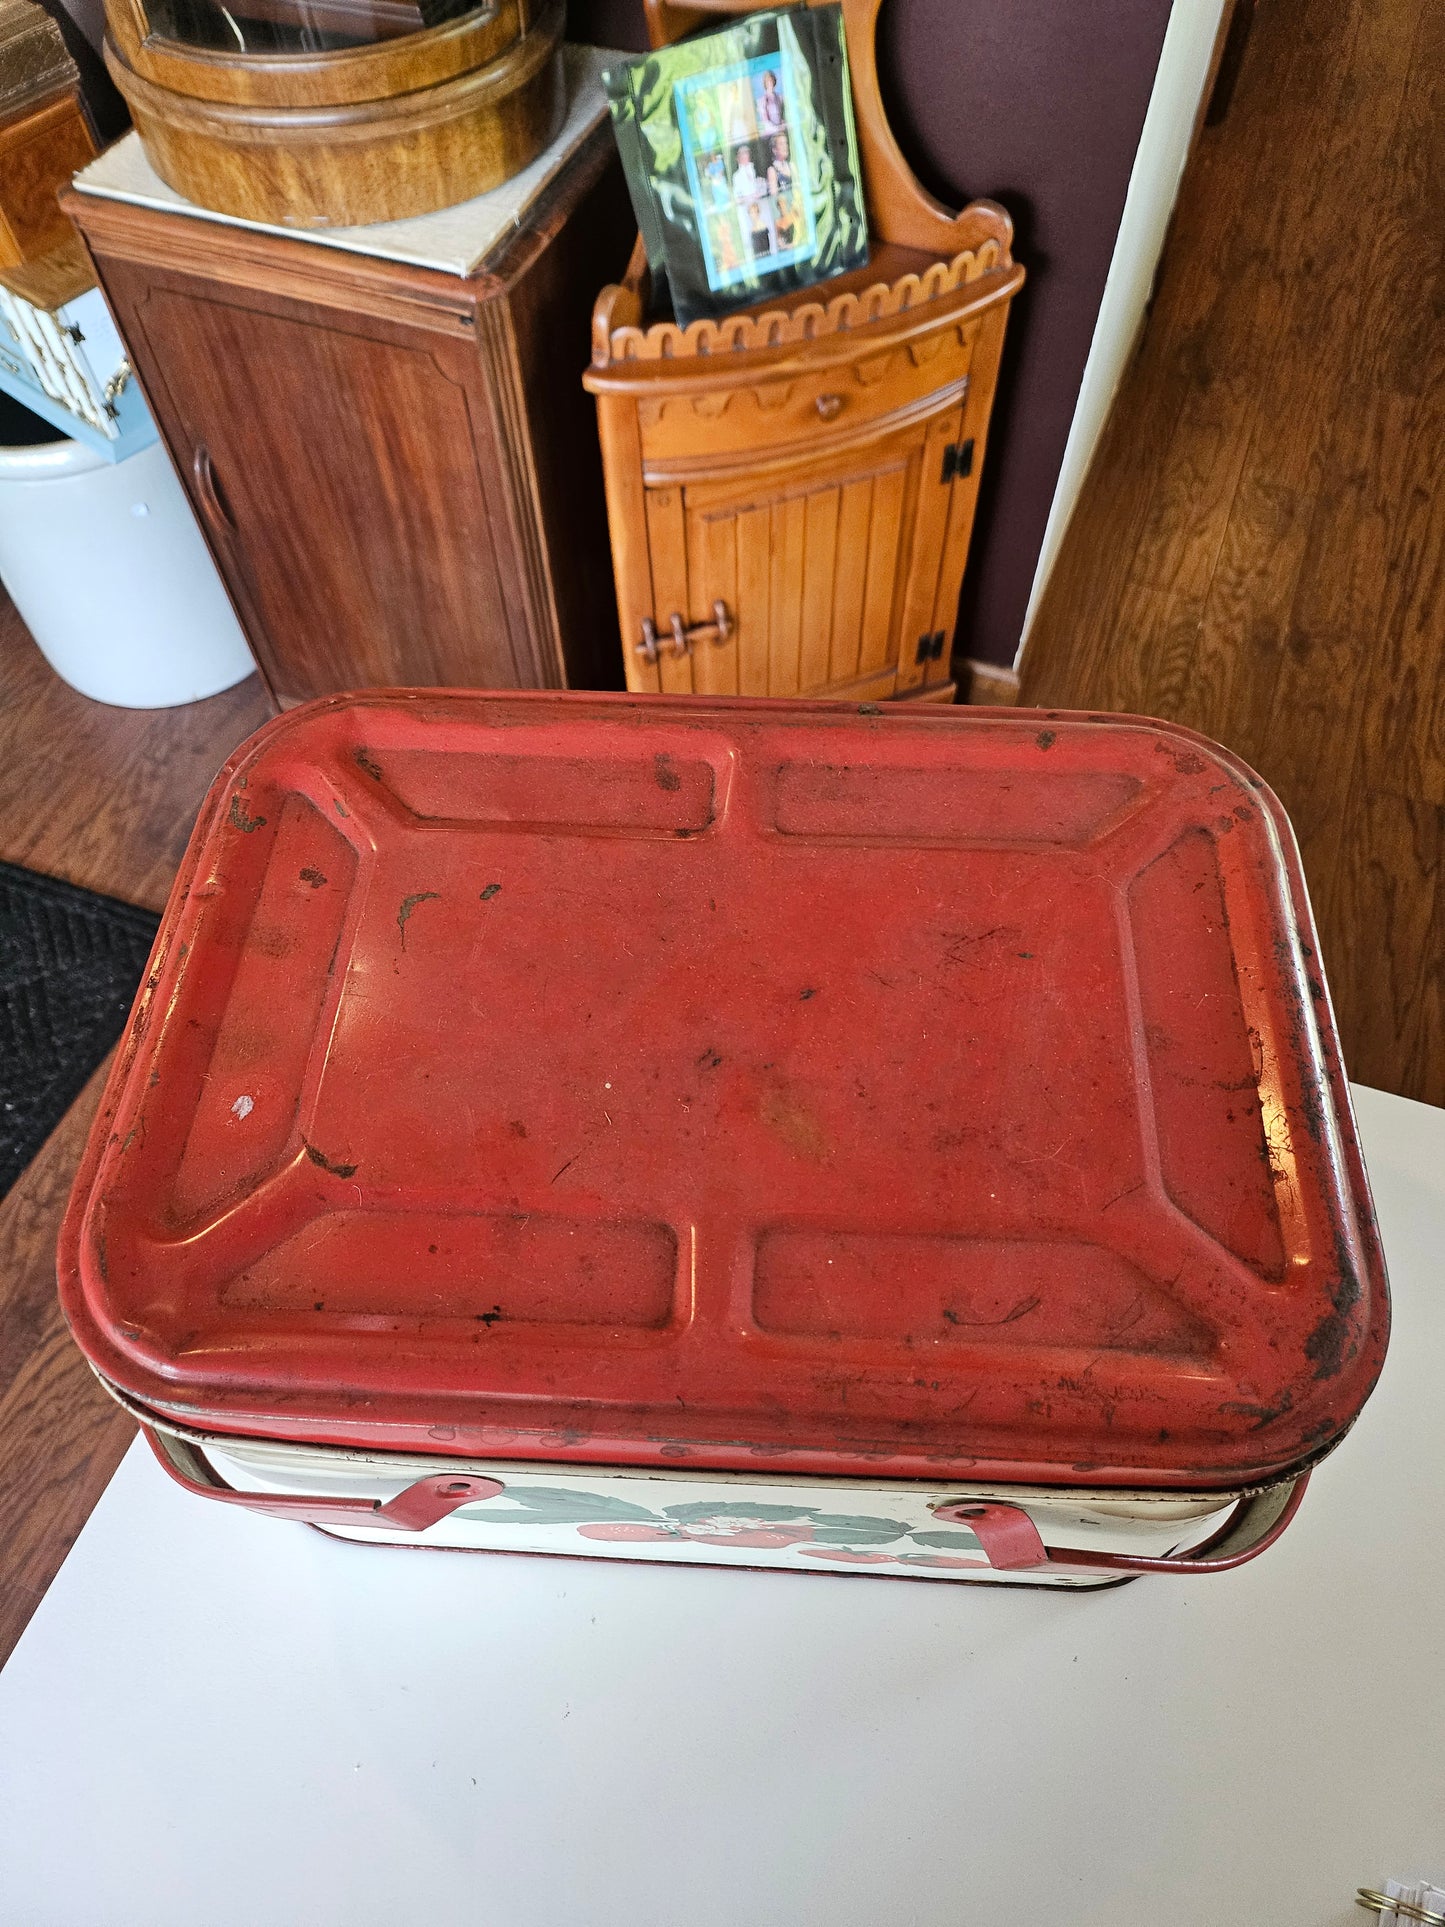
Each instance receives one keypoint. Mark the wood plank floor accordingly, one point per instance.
(1258, 548)
(105, 798)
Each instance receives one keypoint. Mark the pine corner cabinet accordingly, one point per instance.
(791, 490)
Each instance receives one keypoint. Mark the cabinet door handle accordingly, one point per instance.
(828, 406)
(212, 501)
(683, 637)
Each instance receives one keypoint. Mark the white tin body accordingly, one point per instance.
(888, 1529)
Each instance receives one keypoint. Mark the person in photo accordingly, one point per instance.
(770, 105)
(780, 166)
(737, 102)
(723, 233)
(788, 228)
(748, 184)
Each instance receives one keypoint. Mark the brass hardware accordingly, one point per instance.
(718, 630)
(115, 387)
(1379, 1903)
(828, 406)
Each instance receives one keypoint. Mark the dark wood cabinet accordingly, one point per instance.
(396, 468)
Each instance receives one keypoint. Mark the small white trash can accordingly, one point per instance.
(107, 567)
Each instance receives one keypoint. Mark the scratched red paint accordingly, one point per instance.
(767, 1086)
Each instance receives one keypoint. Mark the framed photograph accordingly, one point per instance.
(742, 159)
(737, 144)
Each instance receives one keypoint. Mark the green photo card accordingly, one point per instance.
(742, 159)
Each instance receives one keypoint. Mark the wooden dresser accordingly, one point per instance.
(395, 468)
(792, 489)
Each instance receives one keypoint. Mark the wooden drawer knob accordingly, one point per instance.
(828, 406)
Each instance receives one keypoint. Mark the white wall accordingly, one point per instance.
(1184, 63)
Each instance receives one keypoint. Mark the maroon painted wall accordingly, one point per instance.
(1037, 104)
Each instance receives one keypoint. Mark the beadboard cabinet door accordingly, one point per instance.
(828, 570)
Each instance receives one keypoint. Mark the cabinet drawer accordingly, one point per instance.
(783, 415)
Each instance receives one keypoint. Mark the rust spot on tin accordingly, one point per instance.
(663, 774)
(794, 1123)
(313, 877)
(339, 806)
(320, 1158)
(709, 1060)
(364, 759)
(1188, 764)
(517, 1127)
(489, 1318)
(869, 709)
(408, 905)
(244, 823)
(492, 889)
(804, 995)
(1326, 1346)
(1046, 738)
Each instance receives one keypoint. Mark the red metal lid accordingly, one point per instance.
(785, 1086)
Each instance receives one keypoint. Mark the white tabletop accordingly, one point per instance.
(217, 1718)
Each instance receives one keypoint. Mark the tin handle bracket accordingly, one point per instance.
(1011, 1541)
(1009, 1537)
(419, 1506)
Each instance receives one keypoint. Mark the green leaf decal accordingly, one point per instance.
(543, 1505)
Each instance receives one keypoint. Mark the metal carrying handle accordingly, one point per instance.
(1008, 1536)
(718, 630)
(1011, 1541)
(419, 1506)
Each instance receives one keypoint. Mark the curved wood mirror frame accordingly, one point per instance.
(309, 149)
(349, 74)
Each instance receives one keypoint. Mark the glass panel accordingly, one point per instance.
(298, 26)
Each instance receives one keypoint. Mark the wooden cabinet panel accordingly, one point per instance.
(917, 636)
(790, 412)
(39, 151)
(826, 573)
(288, 427)
(396, 468)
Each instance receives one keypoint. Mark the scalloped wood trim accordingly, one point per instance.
(774, 328)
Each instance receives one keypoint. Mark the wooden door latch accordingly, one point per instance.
(683, 636)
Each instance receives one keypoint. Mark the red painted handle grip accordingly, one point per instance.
(1011, 1541)
(420, 1506)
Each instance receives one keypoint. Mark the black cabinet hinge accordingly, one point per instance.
(930, 648)
(957, 460)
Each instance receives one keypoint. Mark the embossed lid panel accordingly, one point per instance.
(753, 1084)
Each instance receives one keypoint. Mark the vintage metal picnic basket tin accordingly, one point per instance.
(793, 1135)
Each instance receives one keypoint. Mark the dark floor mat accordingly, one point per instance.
(70, 965)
